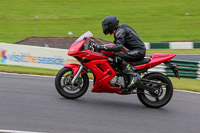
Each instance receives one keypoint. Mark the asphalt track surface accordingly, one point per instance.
(31, 103)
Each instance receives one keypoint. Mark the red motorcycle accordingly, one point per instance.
(153, 90)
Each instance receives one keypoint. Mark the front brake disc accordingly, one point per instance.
(68, 82)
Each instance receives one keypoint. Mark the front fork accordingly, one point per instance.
(77, 74)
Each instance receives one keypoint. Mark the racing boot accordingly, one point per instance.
(133, 76)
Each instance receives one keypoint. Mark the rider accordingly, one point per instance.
(126, 37)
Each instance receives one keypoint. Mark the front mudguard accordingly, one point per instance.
(75, 68)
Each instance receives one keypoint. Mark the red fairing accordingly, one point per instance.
(99, 66)
(103, 73)
(156, 59)
(89, 55)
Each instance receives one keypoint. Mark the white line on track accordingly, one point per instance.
(31, 75)
(16, 131)
(43, 76)
(188, 91)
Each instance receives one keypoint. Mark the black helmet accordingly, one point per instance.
(109, 24)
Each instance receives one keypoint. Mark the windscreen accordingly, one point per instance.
(86, 34)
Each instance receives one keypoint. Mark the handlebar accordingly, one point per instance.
(92, 46)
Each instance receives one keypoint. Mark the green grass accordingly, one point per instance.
(27, 70)
(154, 20)
(184, 84)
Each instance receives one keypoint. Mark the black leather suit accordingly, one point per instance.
(126, 37)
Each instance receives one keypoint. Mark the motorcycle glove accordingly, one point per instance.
(99, 47)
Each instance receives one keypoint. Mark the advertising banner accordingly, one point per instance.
(15, 54)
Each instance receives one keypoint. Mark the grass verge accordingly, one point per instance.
(186, 84)
(27, 70)
(183, 83)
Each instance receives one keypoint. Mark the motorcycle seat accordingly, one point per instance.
(140, 62)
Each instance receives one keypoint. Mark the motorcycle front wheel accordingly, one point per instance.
(162, 97)
(64, 86)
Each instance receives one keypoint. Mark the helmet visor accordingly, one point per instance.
(105, 28)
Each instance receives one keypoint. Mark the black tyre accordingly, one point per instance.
(156, 100)
(66, 89)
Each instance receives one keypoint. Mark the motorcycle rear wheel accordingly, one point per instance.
(156, 100)
(66, 89)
